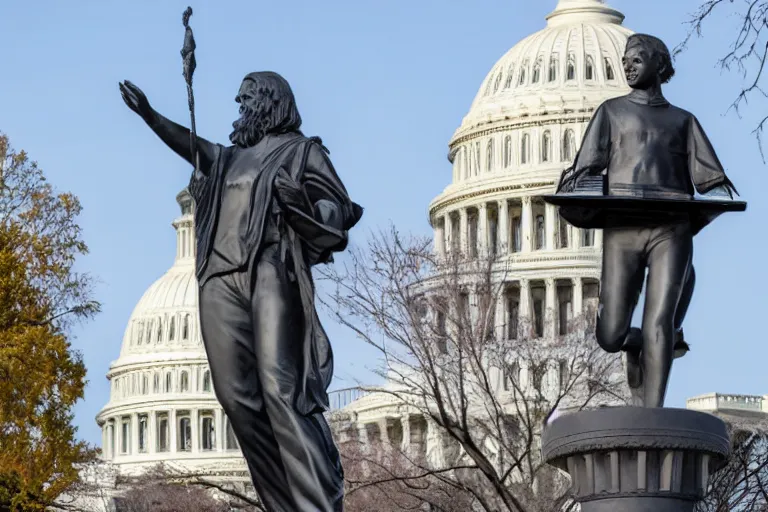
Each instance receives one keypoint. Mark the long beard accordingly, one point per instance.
(249, 129)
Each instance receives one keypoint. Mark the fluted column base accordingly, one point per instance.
(636, 459)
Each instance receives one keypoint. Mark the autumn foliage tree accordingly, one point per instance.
(41, 296)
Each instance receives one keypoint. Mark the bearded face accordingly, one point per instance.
(250, 128)
(266, 106)
(254, 120)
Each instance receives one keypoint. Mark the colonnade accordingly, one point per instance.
(139, 433)
(510, 225)
(425, 430)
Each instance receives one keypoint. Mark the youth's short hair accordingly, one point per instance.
(657, 49)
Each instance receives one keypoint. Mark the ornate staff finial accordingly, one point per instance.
(188, 57)
(185, 17)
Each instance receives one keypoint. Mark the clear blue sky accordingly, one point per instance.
(385, 84)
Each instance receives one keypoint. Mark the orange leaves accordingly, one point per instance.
(40, 296)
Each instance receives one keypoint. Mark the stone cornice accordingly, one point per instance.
(568, 116)
(138, 404)
(439, 203)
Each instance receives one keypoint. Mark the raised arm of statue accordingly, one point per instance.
(174, 135)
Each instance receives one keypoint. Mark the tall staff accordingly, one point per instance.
(188, 56)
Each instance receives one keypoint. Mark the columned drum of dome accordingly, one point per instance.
(523, 128)
(162, 407)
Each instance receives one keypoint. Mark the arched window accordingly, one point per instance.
(185, 328)
(159, 329)
(477, 158)
(172, 329)
(546, 147)
(156, 383)
(589, 71)
(144, 384)
(489, 156)
(540, 235)
(570, 73)
(207, 431)
(168, 382)
(163, 432)
(522, 73)
(206, 380)
(510, 77)
(149, 331)
(609, 74)
(525, 145)
(184, 382)
(185, 434)
(488, 86)
(497, 83)
(111, 438)
(536, 72)
(552, 69)
(588, 237)
(569, 145)
(507, 151)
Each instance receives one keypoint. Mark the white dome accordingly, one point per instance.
(162, 406)
(560, 67)
(509, 150)
(165, 320)
(524, 127)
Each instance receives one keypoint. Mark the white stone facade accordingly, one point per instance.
(731, 403)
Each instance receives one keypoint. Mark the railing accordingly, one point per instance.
(343, 397)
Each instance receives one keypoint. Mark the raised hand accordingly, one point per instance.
(173, 135)
(135, 99)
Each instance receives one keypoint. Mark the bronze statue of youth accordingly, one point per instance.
(646, 158)
(267, 208)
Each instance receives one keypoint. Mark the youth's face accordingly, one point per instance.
(640, 68)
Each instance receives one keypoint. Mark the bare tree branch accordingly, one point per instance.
(747, 52)
(485, 384)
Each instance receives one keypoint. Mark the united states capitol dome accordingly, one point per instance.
(165, 318)
(522, 130)
(576, 55)
(162, 407)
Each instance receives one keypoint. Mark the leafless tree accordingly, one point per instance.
(161, 489)
(385, 479)
(488, 385)
(747, 51)
(742, 485)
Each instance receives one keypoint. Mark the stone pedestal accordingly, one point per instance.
(635, 459)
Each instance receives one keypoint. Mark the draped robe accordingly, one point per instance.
(317, 213)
